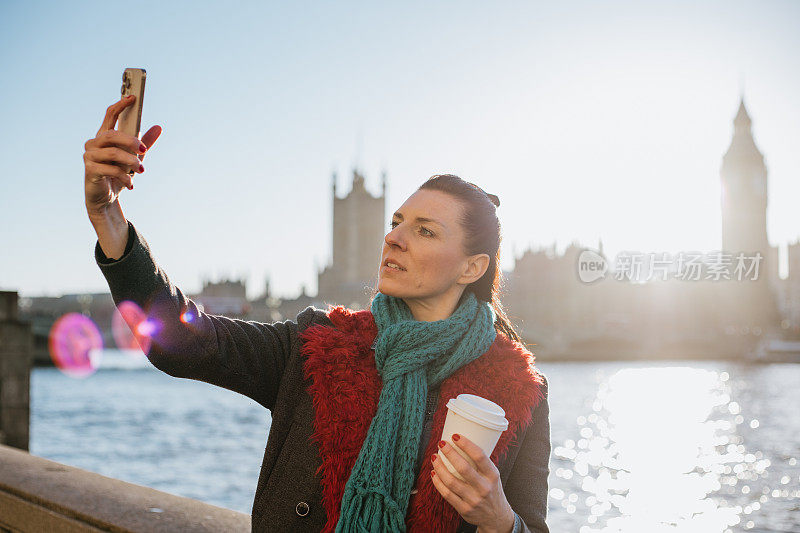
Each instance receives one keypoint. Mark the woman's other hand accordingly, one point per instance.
(109, 157)
(480, 499)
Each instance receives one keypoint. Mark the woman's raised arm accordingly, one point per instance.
(244, 356)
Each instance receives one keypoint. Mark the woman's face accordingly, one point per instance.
(426, 241)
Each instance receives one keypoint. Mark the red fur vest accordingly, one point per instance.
(345, 388)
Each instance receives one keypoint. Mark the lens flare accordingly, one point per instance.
(76, 345)
(148, 328)
(130, 327)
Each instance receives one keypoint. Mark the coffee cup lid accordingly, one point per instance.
(480, 410)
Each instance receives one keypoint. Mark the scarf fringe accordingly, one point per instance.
(372, 510)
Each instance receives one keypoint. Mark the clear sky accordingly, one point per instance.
(587, 119)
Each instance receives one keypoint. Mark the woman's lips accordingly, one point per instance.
(387, 268)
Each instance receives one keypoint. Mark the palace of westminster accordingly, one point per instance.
(556, 313)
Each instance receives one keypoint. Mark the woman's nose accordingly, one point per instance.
(395, 237)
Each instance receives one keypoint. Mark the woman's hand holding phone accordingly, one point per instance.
(108, 158)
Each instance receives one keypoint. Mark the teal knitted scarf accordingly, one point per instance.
(410, 356)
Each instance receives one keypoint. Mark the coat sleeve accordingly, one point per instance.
(526, 486)
(247, 357)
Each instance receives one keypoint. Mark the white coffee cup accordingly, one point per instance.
(480, 420)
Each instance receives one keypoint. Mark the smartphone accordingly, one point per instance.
(130, 119)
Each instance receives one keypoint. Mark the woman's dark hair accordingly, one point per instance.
(482, 236)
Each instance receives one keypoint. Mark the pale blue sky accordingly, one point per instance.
(587, 119)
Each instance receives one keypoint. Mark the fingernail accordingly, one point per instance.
(141, 167)
(142, 147)
(455, 437)
(433, 473)
(130, 187)
(441, 444)
(433, 458)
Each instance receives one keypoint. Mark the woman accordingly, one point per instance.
(358, 397)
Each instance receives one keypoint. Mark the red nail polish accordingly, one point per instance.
(142, 147)
(433, 458)
(141, 167)
(433, 473)
(455, 437)
(441, 444)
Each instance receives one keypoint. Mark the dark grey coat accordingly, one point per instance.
(264, 362)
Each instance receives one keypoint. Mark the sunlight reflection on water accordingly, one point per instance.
(660, 451)
(637, 447)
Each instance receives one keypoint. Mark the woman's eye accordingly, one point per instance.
(425, 231)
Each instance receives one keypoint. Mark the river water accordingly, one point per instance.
(679, 446)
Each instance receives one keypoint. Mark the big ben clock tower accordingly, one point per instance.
(744, 225)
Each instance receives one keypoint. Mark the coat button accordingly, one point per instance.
(301, 508)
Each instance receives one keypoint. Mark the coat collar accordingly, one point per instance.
(345, 387)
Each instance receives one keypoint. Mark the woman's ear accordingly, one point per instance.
(475, 268)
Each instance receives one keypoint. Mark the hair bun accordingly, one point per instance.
(492, 198)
